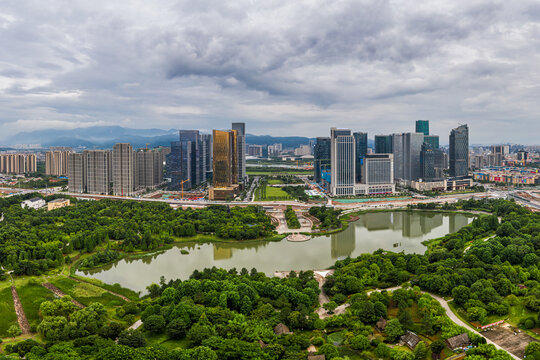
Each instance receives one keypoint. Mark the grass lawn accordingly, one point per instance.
(274, 181)
(7, 311)
(86, 293)
(32, 295)
(336, 338)
(272, 193)
(280, 172)
(162, 340)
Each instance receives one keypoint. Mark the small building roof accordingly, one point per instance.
(316, 357)
(281, 329)
(410, 339)
(458, 341)
(58, 200)
(36, 199)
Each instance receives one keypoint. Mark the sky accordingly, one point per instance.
(284, 67)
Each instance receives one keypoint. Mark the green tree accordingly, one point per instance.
(14, 330)
(394, 329)
(132, 338)
(329, 351)
(420, 351)
(359, 342)
(437, 346)
(154, 323)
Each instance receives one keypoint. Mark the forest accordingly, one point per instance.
(489, 268)
(34, 241)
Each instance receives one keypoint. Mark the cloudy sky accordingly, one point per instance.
(285, 67)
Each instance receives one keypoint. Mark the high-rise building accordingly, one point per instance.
(97, 171)
(321, 162)
(342, 162)
(377, 175)
(18, 163)
(225, 163)
(360, 144)
(432, 141)
(459, 151)
(123, 169)
(206, 153)
(498, 153)
(406, 150)
(255, 150)
(522, 157)
(56, 161)
(240, 128)
(149, 166)
(191, 158)
(378, 169)
(397, 150)
(174, 163)
(76, 173)
(383, 144)
(422, 126)
(432, 163)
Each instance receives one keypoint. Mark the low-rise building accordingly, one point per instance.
(458, 342)
(508, 175)
(34, 203)
(57, 204)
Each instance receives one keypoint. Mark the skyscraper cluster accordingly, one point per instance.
(122, 170)
(342, 162)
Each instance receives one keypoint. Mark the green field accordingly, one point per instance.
(7, 311)
(272, 193)
(32, 295)
(86, 293)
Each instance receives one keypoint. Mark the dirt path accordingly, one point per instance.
(21, 316)
(59, 293)
(110, 292)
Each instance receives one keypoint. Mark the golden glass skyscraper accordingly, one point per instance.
(225, 164)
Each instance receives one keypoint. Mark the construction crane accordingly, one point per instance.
(182, 183)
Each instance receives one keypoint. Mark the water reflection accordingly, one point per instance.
(394, 231)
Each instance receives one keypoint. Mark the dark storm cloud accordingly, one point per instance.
(371, 65)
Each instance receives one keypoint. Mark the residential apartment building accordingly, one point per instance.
(56, 161)
(149, 168)
(18, 163)
(97, 172)
(123, 169)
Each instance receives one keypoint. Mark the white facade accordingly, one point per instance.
(342, 151)
(35, 203)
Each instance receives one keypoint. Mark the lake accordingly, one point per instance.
(395, 231)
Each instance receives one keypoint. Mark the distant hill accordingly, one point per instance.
(107, 136)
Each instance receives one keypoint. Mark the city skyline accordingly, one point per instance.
(372, 66)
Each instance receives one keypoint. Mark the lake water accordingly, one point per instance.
(395, 231)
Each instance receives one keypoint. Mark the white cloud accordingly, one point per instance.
(372, 65)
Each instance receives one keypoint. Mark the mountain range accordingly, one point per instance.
(107, 136)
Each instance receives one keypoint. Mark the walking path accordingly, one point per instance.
(136, 325)
(21, 316)
(109, 291)
(59, 293)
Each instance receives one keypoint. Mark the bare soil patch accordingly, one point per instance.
(513, 341)
(21, 316)
(59, 293)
